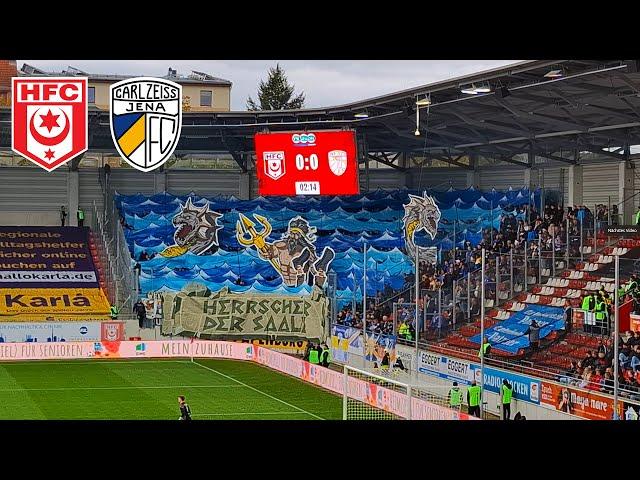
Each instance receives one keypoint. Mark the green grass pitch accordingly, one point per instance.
(148, 390)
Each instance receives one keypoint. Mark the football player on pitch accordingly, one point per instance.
(185, 411)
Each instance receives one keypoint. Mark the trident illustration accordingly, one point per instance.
(245, 226)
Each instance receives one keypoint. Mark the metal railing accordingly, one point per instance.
(115, 255)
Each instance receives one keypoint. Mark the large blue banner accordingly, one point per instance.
(184, 239)
(509, 335)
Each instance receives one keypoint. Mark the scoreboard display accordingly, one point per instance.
(307, 163)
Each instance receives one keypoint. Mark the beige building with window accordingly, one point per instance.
(201, 92)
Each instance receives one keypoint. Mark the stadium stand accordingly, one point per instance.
(149, 223)
(561, 351)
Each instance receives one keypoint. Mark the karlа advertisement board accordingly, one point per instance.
(307, 163)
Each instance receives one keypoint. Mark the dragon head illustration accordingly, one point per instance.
(421, 213)
(196, 230)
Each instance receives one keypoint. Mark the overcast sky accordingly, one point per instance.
(324, 82)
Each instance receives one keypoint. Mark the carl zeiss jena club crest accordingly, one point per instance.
(146, 119)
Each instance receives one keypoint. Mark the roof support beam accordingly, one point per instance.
(505, 105)
(595, 149)
(240, 161)
(487, 124)
(415, 138)
(444, 132)
(504, 158)
(630, 105)
(546, 118)
(612, 135)
(384, 161)
(451, 161)
(613, 111)
(234, 153)
(550, 156)
(634, 86)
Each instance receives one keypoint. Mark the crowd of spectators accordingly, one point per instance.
(458, 269)
(379, 319)
(595, 370)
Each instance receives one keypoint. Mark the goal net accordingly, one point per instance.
(374, 396)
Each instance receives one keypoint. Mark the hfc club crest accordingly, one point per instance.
(146, 119)
(49, 119)
(274, 166)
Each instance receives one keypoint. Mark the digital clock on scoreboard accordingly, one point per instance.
(307, 163)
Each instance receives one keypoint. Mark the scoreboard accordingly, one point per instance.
(307, 163)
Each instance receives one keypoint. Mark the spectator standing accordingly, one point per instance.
(137, 269)
(455, 397)
(607, 384)
(436, 324)
(63, 216)
(473, 399)
(324, 355)
(141, 312)
(314, 355)
(80, 215)
(445, 322)
(107, 175)
(534, 335)
(589, 302)
(399, 365)
(588, 305)
(600, 314)
(403, 330)
(614, 215)
(506, 393)
(384, 364)
(568, 317)
(485, 349)
(430, 308)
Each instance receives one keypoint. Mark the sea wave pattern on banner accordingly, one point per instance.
(342, 223)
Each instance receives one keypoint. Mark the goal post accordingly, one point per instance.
(374, 396)
(366, 396)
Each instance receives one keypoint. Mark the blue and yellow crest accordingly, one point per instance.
(145, 120)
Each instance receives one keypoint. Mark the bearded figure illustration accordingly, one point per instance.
(196, 230)
(421, 213)
(294, 256)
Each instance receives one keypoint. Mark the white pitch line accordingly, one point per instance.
(259, 391)
(240, 414)
(152, 387)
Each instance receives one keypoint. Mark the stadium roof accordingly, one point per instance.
(547, 108)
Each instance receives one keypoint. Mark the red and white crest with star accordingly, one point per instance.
(49, 119)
